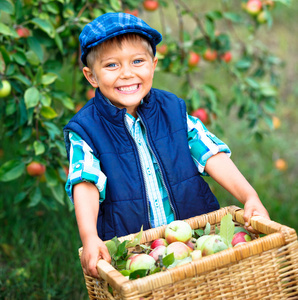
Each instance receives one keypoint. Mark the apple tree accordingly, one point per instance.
(41, 84)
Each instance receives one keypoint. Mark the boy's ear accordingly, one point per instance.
(90, 77)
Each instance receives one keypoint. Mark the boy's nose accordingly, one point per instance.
(126, 72)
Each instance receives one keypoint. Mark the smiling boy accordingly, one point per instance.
(136, 157)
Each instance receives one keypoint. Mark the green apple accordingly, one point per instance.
(5, 89)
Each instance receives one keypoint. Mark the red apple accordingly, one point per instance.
(36, 169)
(23, 32)
(193, 59)
(150, 5)
(240, 237)
(253, 7)
(78, 106)
(156, 252)
(226, 57)
(179, 249)
(90, 93)
(210, 55)
(202, 114)
(140, 262)
(190, 244)
(5, 89)
(162, 49)
(178, 231)
(133, 12)
(159, 242)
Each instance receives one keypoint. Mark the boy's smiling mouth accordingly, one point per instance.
(128, 88)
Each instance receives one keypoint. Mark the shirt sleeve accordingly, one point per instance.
(84, 166)
(203, 144)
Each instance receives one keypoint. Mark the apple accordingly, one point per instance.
(269, 4)
(226, 57)
(78, 106)
(276, 122)
(253, 7)
(90, 93)
(159, 242)
(184, 261)
(180, 250)
(210, 55)
(162, 49)
(140, 262)
(150, 5)
(191, 244)
(5, 89)
(263, 17)
(193, 59)
(200, 241)
(36, 169)
(213, 245)
(240, 237)
(156, 252)
(281, 165)
(202, 114)
(133, 12)
(178, 231)
(196, 255)
(23, 32)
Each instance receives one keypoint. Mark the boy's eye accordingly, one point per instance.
(137, 61)
(111, 65)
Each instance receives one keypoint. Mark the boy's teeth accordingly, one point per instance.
(128, 88)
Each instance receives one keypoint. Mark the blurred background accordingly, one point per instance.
(248, 100)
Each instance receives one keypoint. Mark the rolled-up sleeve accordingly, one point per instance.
(83, 167)
(203, 144)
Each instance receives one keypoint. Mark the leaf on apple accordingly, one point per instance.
(136, 240)
(227, 228)
(138, 274)
(199, 232)
(207, 229)
(168, 260)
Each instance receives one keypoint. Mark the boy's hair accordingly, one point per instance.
(118, 40)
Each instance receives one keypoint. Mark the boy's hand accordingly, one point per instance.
(254, 207)
(94, 249)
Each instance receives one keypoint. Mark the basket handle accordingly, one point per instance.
(107, 272)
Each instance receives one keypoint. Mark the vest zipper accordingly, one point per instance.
(142, 167)
(162, 177)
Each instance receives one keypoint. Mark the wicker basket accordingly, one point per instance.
(265, 268)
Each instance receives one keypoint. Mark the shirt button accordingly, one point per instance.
(77, 166)
(139, 141)
(148, 171)
(156, 203)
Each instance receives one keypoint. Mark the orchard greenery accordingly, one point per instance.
(42, 86)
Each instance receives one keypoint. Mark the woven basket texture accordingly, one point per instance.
(265, 268)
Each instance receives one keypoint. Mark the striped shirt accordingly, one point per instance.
(84, 166)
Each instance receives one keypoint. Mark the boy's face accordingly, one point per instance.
(124, 75)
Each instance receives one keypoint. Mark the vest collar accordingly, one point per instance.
(114, 114)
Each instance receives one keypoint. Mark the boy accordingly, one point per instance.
(135, 155)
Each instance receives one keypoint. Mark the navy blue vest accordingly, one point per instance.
(126, 207)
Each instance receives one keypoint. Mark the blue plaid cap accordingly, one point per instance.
(109, 25)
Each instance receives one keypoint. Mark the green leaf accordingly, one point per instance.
(48, 112)
(31, 97)
(121, 250)
(199, 232)
(236, 18)
(7, 6)
(11, 170)
(45, 26)
(125, 272)
(58, 193)
(39, 147)
(32, 58)
(210, 28)
(240, 229)
(136, 240)
(168, 259)
(138, 274)
(22, 79)
(51, 177)
(227, 228)
(59, 42)
(214, 14)
(35, 46)
(116, 4)
(5, 30)
(45, 100)
(68, 103)
(267, 90)
(207, 229)
(111, 247)
(52, 130)
(35, 197)
(48, 78)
